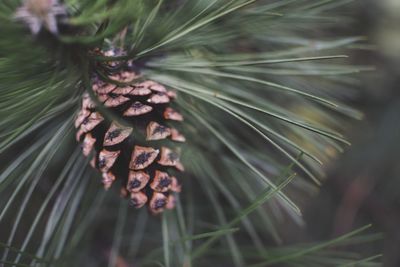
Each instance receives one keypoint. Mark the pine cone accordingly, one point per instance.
(142, 155)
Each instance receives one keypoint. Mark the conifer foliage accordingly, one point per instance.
(236, 104)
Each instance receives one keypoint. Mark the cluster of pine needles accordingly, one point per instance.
(263, 87)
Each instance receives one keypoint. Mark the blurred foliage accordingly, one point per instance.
(362, 184)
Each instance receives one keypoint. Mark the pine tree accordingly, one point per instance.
(262, 89)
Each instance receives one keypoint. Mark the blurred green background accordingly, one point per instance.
(363, 185)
